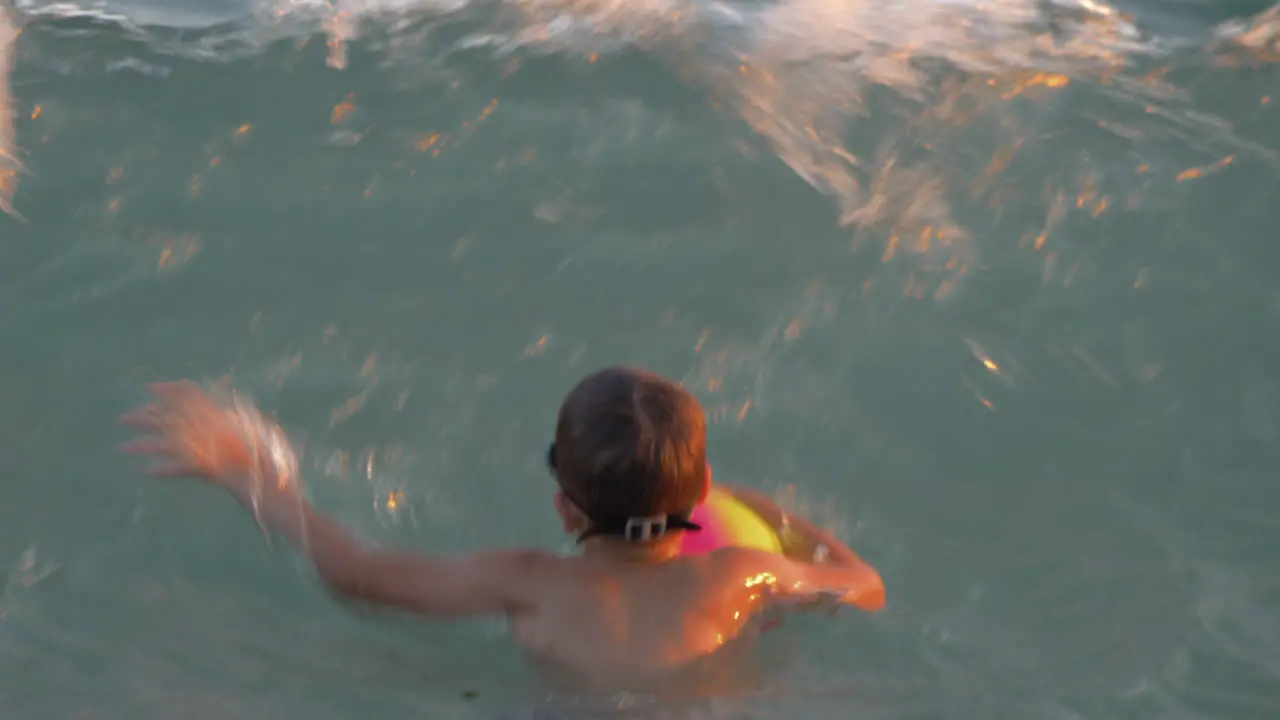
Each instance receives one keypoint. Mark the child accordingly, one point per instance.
(629, 458)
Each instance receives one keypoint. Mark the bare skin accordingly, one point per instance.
(616, 612)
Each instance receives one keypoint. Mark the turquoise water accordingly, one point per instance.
(991, 284)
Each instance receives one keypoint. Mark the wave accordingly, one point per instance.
(874, 103)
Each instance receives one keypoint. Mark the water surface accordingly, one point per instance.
(990, 285)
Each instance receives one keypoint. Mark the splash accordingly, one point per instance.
(877, 104)
(874, 103)
(1254, 40)
(10, 166)
(809, 81)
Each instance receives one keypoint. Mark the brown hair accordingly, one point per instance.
(630, 443)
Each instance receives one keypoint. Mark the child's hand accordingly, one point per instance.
(196, 435)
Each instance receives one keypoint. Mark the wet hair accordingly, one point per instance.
(630, 444)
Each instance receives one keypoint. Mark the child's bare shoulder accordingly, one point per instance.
(742, 568)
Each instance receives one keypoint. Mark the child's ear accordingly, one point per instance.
(573, 519)
(706, 486)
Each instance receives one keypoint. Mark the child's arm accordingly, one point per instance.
(493, 582)
(820, 561)
(230, 445)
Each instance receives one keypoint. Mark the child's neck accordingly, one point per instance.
(618, 550)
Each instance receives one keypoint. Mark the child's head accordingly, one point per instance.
(630, 445)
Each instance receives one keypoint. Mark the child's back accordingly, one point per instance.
(606, 620)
